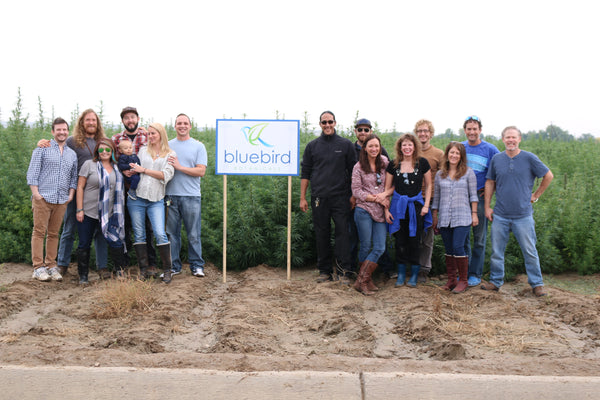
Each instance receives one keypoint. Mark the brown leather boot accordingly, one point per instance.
(462, 264)
(361, 281)
(357, 283)
(371, 267)
(451, 271)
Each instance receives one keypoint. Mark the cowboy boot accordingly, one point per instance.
(371, 267)
(451, 272)
(357, 283)
(462, 263)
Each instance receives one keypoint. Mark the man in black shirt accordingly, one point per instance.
(327, 164)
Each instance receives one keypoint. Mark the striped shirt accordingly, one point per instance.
(53, 173)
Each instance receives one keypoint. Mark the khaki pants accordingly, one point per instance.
(47, 218)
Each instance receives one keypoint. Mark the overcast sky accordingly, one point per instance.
(524, 63)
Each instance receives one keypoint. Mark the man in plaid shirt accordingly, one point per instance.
(52, 177)
(133, 132)
(139, 137)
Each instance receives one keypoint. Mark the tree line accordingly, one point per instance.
(566, 218)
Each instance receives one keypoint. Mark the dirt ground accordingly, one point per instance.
(259, 321)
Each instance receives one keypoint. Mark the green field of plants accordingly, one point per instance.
(566, 216)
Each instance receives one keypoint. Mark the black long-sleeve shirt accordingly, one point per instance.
(327, 162)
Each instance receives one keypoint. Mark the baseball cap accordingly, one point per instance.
(127, 110)
(363, 121)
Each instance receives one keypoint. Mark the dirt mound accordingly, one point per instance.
(260, 321)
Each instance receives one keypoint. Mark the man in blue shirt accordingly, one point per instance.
(183, 197)
(479, 156)
(512, 175)
(52, 178)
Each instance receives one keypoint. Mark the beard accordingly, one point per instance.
(131, 130)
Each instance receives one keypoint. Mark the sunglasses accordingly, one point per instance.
(472, 118)
(378, 179)
(330, 122)
(104, 150)
(363, 129)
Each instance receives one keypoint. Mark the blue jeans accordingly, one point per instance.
(189, 210)
(67, 238)
(369, 231)
(524, 231)
(477, 253)
(138, 209)
(455, 240)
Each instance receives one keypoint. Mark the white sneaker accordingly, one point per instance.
(199, 271)
(41, 274)
(173, 273)
(55, 274)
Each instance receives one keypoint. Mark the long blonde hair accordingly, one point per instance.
(164, 139)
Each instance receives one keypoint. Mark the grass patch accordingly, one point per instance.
(123, 297)
(587, 285)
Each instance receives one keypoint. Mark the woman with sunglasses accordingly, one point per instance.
(408, 214)
(154, 172)
(100, 203)
(368, 185)
(455, 211)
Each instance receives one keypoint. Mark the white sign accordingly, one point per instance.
(257, 147)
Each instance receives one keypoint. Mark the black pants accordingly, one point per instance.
(407, 247)
(324, 209)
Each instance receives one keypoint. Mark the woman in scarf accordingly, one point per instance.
(100, 203)
(154, 172)
(408, 214)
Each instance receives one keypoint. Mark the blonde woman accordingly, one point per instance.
(154, 172)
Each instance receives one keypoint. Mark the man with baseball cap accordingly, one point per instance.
(139, 137)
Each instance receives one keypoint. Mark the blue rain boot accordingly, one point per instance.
(401, 275)
(412, 282)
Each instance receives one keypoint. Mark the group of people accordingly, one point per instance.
(137, 182)
(421, 192)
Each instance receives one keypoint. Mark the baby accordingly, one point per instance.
(126, 157)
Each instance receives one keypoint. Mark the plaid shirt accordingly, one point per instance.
(53, 173)
(453, 199)
(141, 139)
